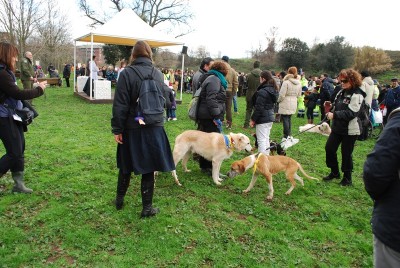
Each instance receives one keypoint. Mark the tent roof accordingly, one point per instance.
(126, 28)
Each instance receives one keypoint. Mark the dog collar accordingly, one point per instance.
(228, 141)
(256, 163)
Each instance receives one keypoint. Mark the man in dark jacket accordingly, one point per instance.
(382, 182)
(325, 93)
(67, 73)
(204, 68)
(253, 81)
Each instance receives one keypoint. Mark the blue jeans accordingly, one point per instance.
(235, 107)
(171, 113)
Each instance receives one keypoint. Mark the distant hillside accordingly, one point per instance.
(395, 56)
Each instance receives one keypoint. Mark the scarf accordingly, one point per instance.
(221, 77)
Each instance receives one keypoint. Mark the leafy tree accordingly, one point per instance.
(372, 59)
(293, 53)
(336, 55)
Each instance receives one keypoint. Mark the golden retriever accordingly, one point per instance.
(214, 147)
(323, 128)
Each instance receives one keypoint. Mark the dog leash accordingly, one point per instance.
(322, 121)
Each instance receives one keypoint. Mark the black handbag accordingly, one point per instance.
(27, 113)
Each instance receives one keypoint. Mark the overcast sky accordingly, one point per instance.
(233, 28)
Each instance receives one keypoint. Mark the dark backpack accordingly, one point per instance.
(363, 114)
(151, 101)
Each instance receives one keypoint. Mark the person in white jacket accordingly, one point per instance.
(289, 92)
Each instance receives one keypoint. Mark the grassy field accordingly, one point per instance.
(70, 219)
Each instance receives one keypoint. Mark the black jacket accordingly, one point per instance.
(127, 93)
(212, 98)
(382, 182)
(345, 111)
(264, 100)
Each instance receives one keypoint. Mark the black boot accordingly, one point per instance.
(346, 181)
(335, 174)
(122, 187)
(147, 190)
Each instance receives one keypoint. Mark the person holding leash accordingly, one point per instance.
(345, 125)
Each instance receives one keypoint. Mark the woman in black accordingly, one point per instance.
(142, 149)
(11, 129)
(211, 110)
(346, 126)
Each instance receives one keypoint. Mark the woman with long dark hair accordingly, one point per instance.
(11, 127)
(263, 115)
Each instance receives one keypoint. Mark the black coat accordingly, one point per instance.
(264, 100)
(127, 93)
(382, 182)
(212, 99)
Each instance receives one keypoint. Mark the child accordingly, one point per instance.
(300, 106)
(311, 102)
(170, 104)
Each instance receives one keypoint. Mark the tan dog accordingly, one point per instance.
(268, 166)
(323, 128)
(214, 147)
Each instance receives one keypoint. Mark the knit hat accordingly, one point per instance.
(225, 58)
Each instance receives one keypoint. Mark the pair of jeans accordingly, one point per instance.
(287, 125)
(12, 136)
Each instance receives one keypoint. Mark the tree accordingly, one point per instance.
(293, 53)
(153, 12)
(17, 18)
(372, 60)
(336, 55)
(268, 57)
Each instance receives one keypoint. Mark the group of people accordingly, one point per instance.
(144, 149)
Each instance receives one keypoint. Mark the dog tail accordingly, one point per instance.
(305, 174)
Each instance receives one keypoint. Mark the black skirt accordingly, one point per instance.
(145, 150)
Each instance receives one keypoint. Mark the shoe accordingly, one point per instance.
(169, 119)
(293, 140)
(346, 182)
(174, 119)
(331, 176)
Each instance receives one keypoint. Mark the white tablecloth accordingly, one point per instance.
(81, 81)
(102, 89)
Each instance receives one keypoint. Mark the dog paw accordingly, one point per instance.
(269, 198)
(217, 183)
(245, 191)
(188, 170)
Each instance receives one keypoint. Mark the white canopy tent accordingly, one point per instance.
(125, 28)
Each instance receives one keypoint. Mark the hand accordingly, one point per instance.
(118, 138)
(252, 123)
(43, 85)
(329, 116)
(218, 123)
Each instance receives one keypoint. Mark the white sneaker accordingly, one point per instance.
(293, 140)
(285, 143)
(174, 119)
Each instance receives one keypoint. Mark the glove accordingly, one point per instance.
(218, 123)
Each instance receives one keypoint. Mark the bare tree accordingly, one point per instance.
(153, 12)
(17, 18)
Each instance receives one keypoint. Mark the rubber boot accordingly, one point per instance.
(346, 181)
(19, 186)
(122, 187)
(147, 190)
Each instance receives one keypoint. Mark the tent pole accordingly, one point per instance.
(90, 67)
(75, 78)
(183, 65)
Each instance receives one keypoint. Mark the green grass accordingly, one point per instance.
(70, 219)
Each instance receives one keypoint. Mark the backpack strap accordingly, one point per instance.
(141, 76)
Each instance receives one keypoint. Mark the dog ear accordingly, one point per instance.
(242, 169)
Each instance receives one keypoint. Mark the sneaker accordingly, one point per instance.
(169, 118)
(293, 140)
(174, 119)
(331, 176)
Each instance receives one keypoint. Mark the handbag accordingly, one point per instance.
(377, 116)
(193, 105)
(27, 113)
